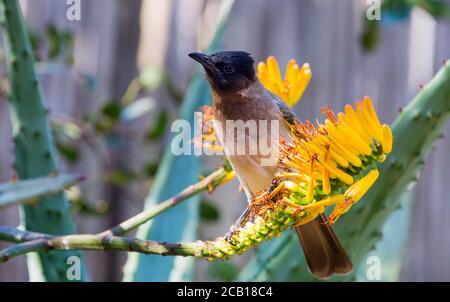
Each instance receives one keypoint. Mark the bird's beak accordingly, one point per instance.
(203, 59)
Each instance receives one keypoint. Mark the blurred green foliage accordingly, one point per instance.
(208, 211)
(396, 11)
(222, 271)
(60, 42)
(159, 127)
(151, 78)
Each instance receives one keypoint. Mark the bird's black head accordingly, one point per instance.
(228, 70)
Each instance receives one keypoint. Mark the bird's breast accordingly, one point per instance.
(250, 130)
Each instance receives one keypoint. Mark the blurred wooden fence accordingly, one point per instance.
(111, 40)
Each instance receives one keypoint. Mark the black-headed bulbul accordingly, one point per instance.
(238, 95)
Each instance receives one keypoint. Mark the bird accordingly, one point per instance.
(238, 95)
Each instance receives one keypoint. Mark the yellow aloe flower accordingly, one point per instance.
(344, 143)
(330, 157)
(292, 86)
(207, 139)
(353, 194)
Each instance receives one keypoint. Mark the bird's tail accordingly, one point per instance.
(324, 253)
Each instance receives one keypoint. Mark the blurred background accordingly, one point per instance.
(126, 52)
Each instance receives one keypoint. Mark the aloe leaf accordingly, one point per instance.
(30, 191)
(34, 150)
(174, 174)
(384, 263)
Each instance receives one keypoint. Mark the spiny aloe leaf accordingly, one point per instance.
(415, 130)
(174, 174)
(34, 151)
(29, 191)
(385, 262)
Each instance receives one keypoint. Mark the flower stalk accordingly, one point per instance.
(209, 183)
(28, 241)
(45, 243)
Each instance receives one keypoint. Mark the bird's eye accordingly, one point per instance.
(228, 68)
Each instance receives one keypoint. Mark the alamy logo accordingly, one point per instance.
(373, 272)
(73, 273)
(251, 137)
(73, 12)
(374, 10)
